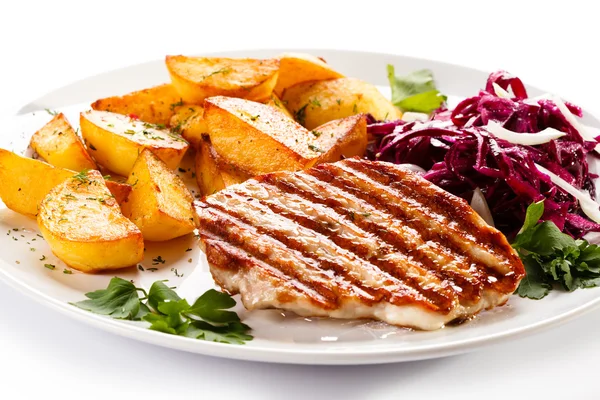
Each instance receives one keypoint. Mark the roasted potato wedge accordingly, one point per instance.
(155, 105)
(22, 192)
(276, 102)
(315, 103)
(59, 145)
(257, 138)
(197, 78)
(296, 68)
(342, 138)
(160, 204)
(189, 122)
(212, 172)
(84, 227)
(120, 191)
(116, 140)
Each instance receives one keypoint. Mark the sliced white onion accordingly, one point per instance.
(501, 92)
(480, 205)
(564, 110)
(414, 116)
(589, 207)
(413, 168)
(526, 139)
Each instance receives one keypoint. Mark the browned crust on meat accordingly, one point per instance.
(359, 231)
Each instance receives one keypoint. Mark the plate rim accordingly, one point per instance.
(289, 355)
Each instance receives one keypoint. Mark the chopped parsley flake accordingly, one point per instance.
(300, 115)
(175, 105)
(315, 148)
(158, 260)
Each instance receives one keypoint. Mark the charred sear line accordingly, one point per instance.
(439, 201)
(404, 294)
(439, 236)
(223, 255)
(440, 294)
(227, 232)
(471, 286)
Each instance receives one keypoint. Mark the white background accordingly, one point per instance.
(48, 44)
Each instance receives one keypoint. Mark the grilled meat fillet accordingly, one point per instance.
(356, 239)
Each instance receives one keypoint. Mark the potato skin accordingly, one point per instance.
(342, 138)
(257, 138)
(189, 122)
(155, 105)
(196, 78)
(84, 227)
(106, 137)
(276, 102)
(315, 103)
(23, 192)
(212, 172)
(58, 144)
(160, 204)
(295, 68)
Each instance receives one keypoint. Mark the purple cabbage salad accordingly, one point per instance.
(459, 153)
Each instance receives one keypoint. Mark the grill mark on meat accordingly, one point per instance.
(222, 253)
(270, 251)
(426, 232)
(343, 262)
(432, 219)
(312, 186)
(356, 239)
(367, 238)
(396, 264)
(437, 199)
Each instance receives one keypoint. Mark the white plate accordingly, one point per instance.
(278, 337)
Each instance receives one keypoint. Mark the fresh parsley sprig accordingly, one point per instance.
(415, 91)
(208, 318)
(552, 257)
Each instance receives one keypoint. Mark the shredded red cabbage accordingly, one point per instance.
(459, 155)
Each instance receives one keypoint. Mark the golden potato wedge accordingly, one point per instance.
(84, 227)
(22, 192)
(59, 145)
(24, 182)
(155, 105)
(189, 122)
(276, 102)
(342, 138)
(120, 191)
(197, 78)
(256, 138)
(315, 103)
(212, 172)
(116, 140)
(296, 68)
(160, 204)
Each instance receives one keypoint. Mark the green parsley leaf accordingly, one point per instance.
(160, 293)
(550, 256)
(207, 319)
(234, 333)
(534, 285)
(211, 307)
(415, 91)
(119, 300)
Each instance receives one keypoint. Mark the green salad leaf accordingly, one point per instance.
(415, 91)
(552, 257)
(208, 318)
(119, 300)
